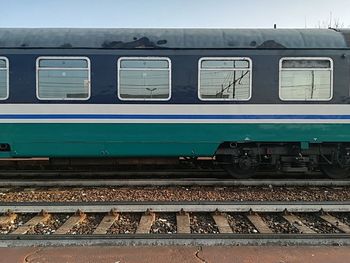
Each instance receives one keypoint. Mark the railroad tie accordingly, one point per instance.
(106, 223)
(295, 221)
(336, 223)
(23, 229)
(145, 223)
(70, 223)
(259, 223)
(183, 223)
(7, 219)
(222, 223)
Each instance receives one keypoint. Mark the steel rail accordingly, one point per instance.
(170, 182)
(205, 206)
(174, 239)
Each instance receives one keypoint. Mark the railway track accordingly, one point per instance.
(184, 177)
(175, 223)
(168, 182)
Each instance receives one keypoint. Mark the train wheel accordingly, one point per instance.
(335, 172)
(240, 172)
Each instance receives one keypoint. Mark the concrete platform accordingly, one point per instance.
(176, 254)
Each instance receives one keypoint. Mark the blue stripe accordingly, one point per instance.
(174, 117)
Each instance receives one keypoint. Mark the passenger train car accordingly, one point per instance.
(248, 98)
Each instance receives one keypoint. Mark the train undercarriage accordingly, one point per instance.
(242, 160)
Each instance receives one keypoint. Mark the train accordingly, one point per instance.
(247, 98)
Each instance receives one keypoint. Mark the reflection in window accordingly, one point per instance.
(306, 79)
(144, 78)
(3, 78)
(63, 79)
(225, 79)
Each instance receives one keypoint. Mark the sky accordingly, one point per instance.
(174, 14)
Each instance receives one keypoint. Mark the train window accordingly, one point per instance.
(144, 78)
(4, 78)
(306, 79)
(63, 78)
(225, 78)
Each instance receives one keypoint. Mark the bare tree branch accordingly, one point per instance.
(330, 23)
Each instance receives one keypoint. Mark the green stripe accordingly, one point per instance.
(89, 140)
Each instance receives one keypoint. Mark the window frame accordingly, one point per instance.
(331, 69)
(169, 69)
(7, 69)
(63, 58)
(250, 69)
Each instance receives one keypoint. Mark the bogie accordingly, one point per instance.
(241, 160)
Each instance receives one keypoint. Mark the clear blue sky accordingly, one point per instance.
(175, 13)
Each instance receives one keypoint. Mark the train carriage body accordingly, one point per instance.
(247, 96)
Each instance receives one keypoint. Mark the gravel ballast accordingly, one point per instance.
(278, 224)
(127, 224)
(177, 194)
(164, 224)
(49, 227)
(88, 226)
(240, 224)
(203, 224)
(317, 224)
(19, 221)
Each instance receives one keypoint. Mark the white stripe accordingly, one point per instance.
(175, 121)
(174, 109)
(179, 109)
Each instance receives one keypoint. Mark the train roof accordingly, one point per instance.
(103, 38)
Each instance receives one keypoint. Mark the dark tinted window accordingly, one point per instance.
(144, 64)
(3, 63)
(63, 63)
(306, 64)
